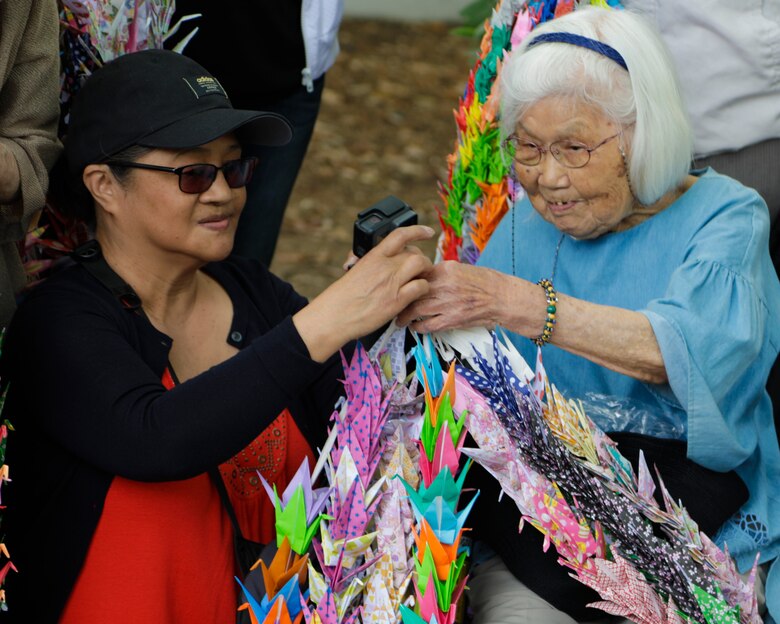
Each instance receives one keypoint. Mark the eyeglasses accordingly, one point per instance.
(570, 154)
(198, 178)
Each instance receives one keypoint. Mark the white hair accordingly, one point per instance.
(647, 95)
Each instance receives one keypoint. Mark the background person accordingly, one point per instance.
(29, 111)
(272, 57)
(150, 363)
(727, 55)
(660, 290)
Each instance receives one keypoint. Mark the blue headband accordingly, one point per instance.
(583, 42)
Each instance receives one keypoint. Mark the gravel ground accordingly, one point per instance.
(385, 127)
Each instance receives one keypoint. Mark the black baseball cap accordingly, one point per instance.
(159, 99)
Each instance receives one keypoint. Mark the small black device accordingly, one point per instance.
(377, 221)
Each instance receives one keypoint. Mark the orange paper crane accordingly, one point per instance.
(284, 566)
(444, 555)
(494, 206)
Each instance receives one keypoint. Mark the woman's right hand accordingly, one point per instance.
(381, 284)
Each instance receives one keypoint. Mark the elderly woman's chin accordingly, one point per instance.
(579, 223)
(589, 215)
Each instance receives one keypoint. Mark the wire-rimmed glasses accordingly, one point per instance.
(571, 154)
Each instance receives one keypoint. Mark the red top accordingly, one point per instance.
(277, 453)
(163, 553)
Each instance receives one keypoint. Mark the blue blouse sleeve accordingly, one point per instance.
(716, 326)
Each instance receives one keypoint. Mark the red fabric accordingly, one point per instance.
(277, 453)
(163, 552)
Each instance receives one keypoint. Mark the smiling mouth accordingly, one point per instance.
(559, 207)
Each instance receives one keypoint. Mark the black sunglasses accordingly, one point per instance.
(198, 178)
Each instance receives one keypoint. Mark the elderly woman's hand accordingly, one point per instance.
(462, 295)
(381, 284)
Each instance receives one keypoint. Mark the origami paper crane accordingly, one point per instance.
(298, 511)
(444, 555)
(738, 591)
(715, 608)
(360, 426)
(608, 496)
(627, 594)
(443, 592)
(352, 514)
(119, 27)
(444, 453)
(400, 456)
(7, 567)
(381, 598)
(410, 617)
(284, 566)
(334, 554)
(326, 613)
(393, 522)
(332, 606)
(477, 191)
(429, 607)
(438, 504)
(284, 608)
(428, 369)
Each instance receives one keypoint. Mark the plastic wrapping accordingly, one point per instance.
(613, 413)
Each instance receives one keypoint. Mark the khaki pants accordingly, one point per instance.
(497, 597)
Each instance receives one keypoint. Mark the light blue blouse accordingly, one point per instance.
(700, 272)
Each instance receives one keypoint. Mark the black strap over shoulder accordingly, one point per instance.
(223, 495)
(247, 552)
(90, 256)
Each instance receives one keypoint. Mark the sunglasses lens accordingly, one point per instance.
(238, 173)
(197, 178)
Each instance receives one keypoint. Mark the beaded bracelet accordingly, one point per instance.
(549, 324)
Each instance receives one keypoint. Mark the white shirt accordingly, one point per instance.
(727, 55)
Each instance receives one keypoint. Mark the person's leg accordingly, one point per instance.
(497, 597)
(273, 180)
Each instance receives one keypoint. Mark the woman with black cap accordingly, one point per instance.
(157, 358)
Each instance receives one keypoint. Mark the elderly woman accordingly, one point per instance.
(644, 282)
(157, 358)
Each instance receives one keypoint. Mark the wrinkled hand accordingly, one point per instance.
(377, 287)
(460, 295)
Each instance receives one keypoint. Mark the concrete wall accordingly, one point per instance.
(406, 10)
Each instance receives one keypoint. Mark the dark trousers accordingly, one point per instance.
(273, 180)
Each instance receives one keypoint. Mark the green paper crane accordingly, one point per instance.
(426, 571)
(444, 486)
(291, 522)
(715, 609)
(444, 417)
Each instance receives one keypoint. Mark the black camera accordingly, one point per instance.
(377, 221)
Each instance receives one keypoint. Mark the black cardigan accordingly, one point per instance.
(87, 403)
